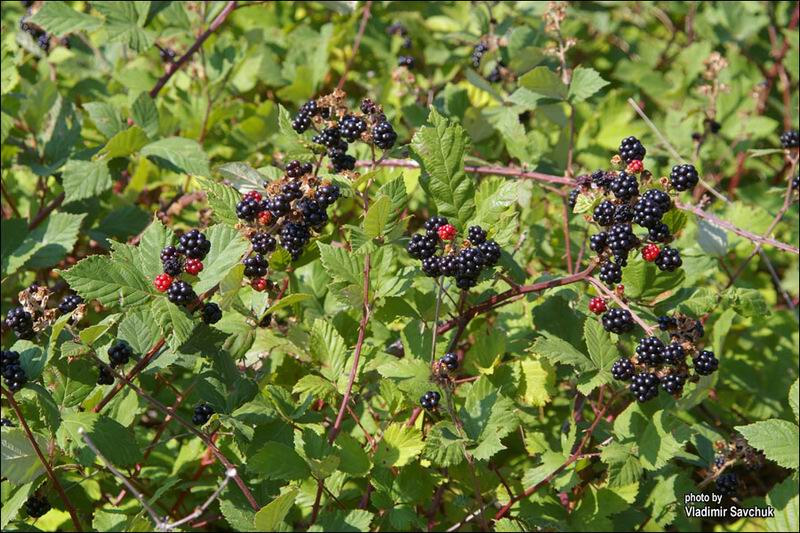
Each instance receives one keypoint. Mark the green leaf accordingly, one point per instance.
(585, 83)
(778, 439)
(60, 19)
(328, 349)
(140, 329)
(124, 143)
(538, 381)
(657, 443)
(222, 200)
(123, 24)
(354, 460)
(112, 283)
(786, 501)
(85, 179)
(399, 446)
(176, 323)
(355, 521)
(13, 504)
(178, 154)
(105, 116)
(377, 217)
(602, 353)
(624, 467)
(794, 399)
(49, 243)
(20, 464)
(241, 175)
(227, 249)
(443, 445)
(154, 238)
(340, 264)
(543, 82)
(558, 350)
(278, 461)
(440, 149)
(115, 442)
(270, 517)
(145, 114)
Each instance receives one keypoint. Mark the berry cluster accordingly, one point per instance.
(119, 353)
(727, 484)
(445, 366)
(430, 400)
(38, 34)
(477, 53)
(621, 204)
(403, 60)
(659, 364)
(463, 261)
(104, 375)
(499, 70)
(790, 139)
(13, 374)
(202, 414)
(69, 303)
(33, 313)
(37, 506)
(21, 322)
(188, 256)
(6, 423)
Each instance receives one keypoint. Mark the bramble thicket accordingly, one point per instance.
(392, 266)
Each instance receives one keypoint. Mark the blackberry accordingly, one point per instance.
(21, 321)
(279, 205)
(673, 383)
(465, 283)
(622, 369)
(659, 233)
(194, 245)
(795, 182)
(173, 266)
(668, 259)
(341, 162)
(294, 237)
(430, 266)
(352, 126)
(610, 273)
(647, 213)
(666, 322)
(421, 247)
(491, 252)
(301, 122)
(181, 293)
(573, 198)
(621, 239)
(625, 186)
(202, 414)
(477, 53)
(383, 135)
(450, 361)
(604, 213)
(631, 149)
(448, 264)
(327, 194)
(313, 213)
(104, 375)
(368, 107)
(168, 253)
(255, 266)
(719, 460)
(496, 74)
(650, 351)
(674, 353)
(432, 226)
(310, 108)
(598, 242)
(12, 371)
(119, 353)
(470, 261)
(263, 243)
(37, 506)
(296, 169)
(644, 386)
(430, 400)
(623, 215)
(6, 423)
(727, 484)
(617, 321)
(658, 197)
(476, 235)
(705, 363)
(683, 177)
(211, 313)
(328, 137)
(70, 302)
(790, 139)
(405, 61)
(602, 179)
(293, 189)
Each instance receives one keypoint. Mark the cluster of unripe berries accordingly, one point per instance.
(202, 414)
(623, 204)
(187, 257)
(14, 375)
(291, 208)
(659, 364)
(403, 60)
(463, 260)
(336, 126)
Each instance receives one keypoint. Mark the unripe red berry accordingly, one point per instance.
(162, 282)
(634, 167)
(620, 290)
(259, 284)
(264, 217)
(193, 266)
(447, 232)
(253, 195)
(597, 305)
(650, 252)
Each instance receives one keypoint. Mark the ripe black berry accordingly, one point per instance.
(621, 239)
(104, 375)
(674, 353)
(383, 135)
(430, 400)
(644, 386)
(21, 321)
(202, 414)
(181, 293)
(602, 179)
(465, 283)
(727, 484)
(432, 226)
(622, 369)
(70, 302)
(119, 353)
(263, 243)
(448, 264)
(496, 74)
(470, 261)
(647, 213)
(476, 235)
(668, 259)
(673, 383)
(173, 266)
(294, 237)
(194, 244)
(491, 252)
(313, 214)
(659, 233)
(248, 209)
(430, 267)
(368, 107)
(6, 423)
(168, 253)
(450, 361)
(790, 139)
(598, 242)
(650, 351)
(617, 321)
(573, 198)
(405, 61)
(705, 363)
(310, 108)
(301, 122)
(341, 161)
(37, 506)
(421, 247)
(211, 313)
(255, 266)
(666, 322)
(658, 197)
(610, 273)
(623, 215)
(296, 169)
(604, 213)
(279, 205)
(327, 194)
(683, 177)
(12, 371)
(477, 53)
(630, 149)
(625, 186)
